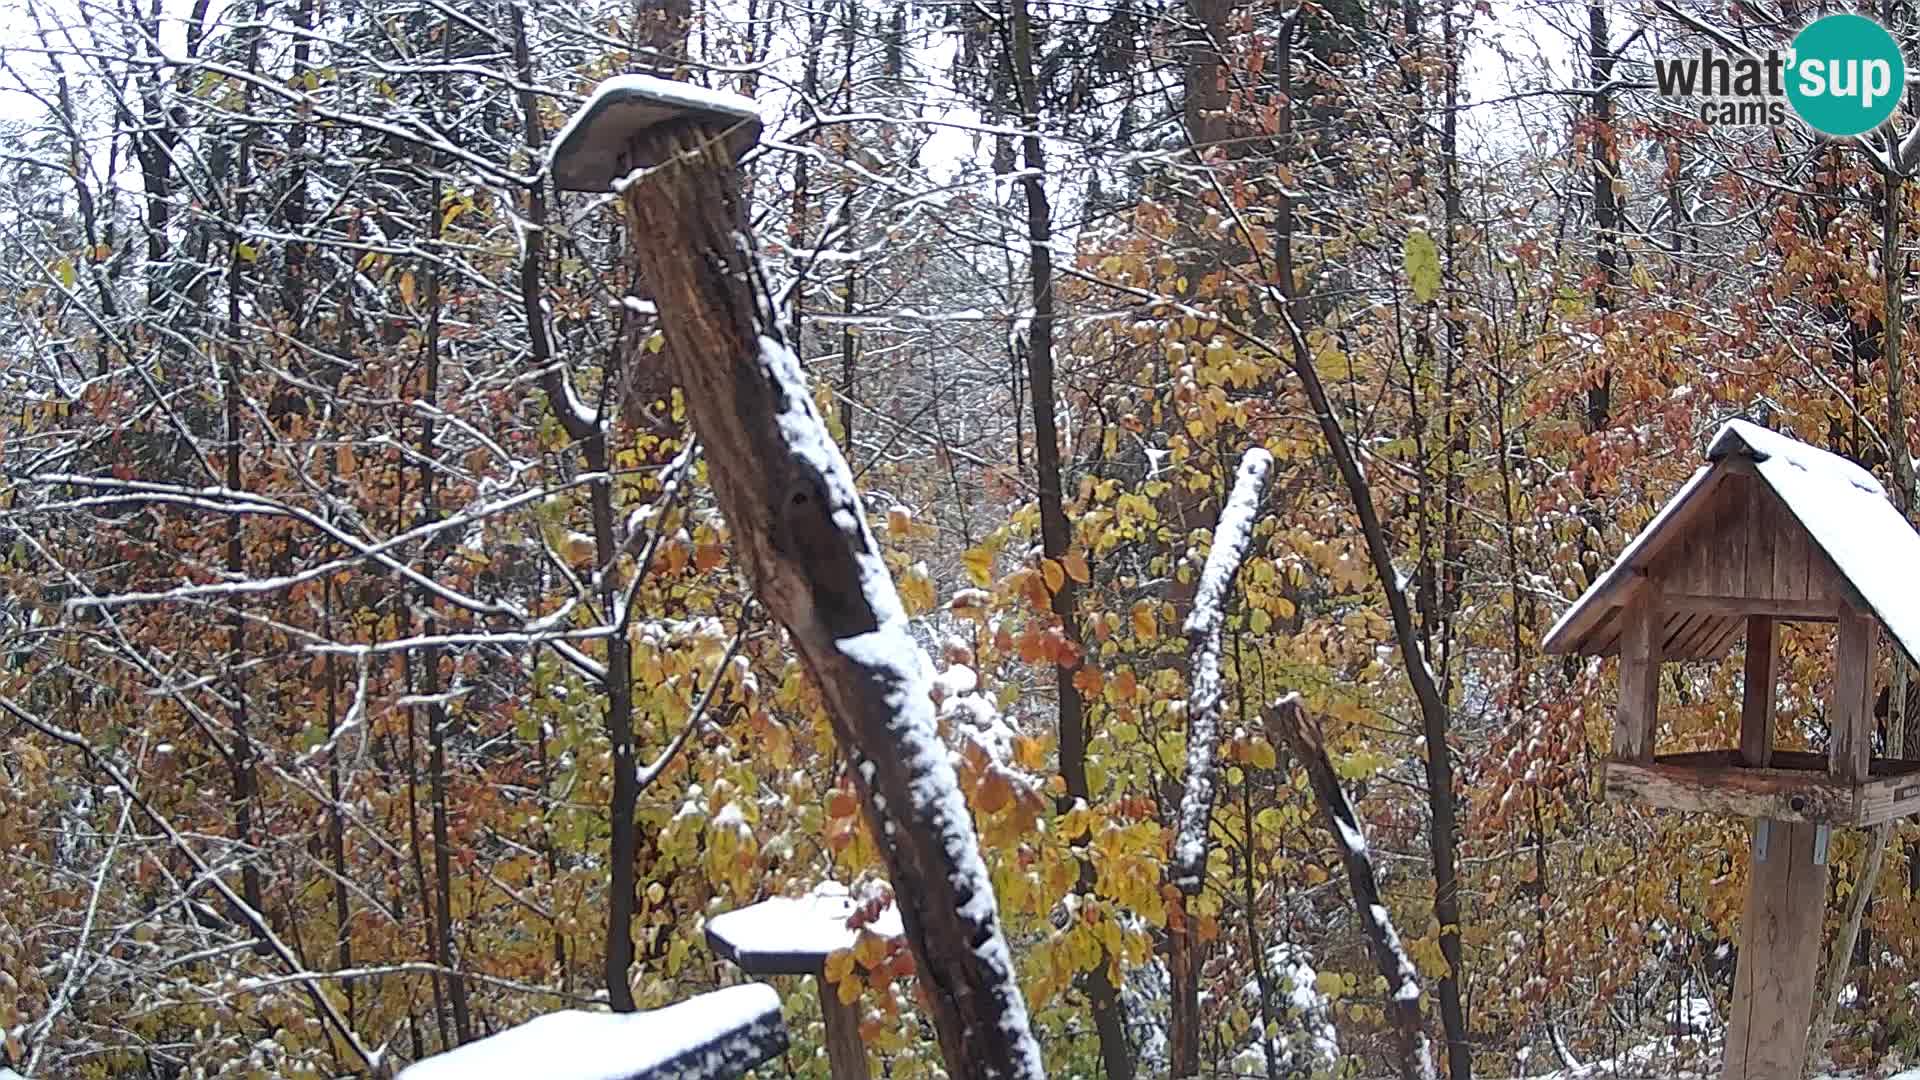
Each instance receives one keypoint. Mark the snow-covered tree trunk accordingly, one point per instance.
(1302, 731)
(800, 529)
(1206, 690)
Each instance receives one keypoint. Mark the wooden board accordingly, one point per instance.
(1850, 713)
(1716, 786)
(1779, 953)
(1640, 656)
(1756, 702)
(1796, 786)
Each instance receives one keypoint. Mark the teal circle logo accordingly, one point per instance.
(1847, 75)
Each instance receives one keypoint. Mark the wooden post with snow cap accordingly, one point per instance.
(795, 936)
(800, 531)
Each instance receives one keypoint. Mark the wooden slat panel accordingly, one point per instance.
(1756, 700)
(1888, 799)
(1742, 606)
(1730, 534)
(1700, 639)
(1779, 952)
(1760, 542)
(1674, 630)
(1640, 657)
(1723, 644)
(1850, 711)
(1789, 552)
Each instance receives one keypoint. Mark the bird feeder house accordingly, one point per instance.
(1769, 530)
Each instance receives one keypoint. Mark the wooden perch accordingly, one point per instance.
(1231, 538)
(800, 531)
(1302, 732)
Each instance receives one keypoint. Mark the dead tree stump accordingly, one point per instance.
(800, 531)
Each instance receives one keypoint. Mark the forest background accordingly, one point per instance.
(350, 535)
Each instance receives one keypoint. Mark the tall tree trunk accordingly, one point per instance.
(799, 528)
(1435, 720)
(1056, 531)
(438, 718)
(591, 431)
(1839, 969)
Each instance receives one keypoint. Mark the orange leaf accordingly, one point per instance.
(1056, 577)
(993, 794)
(1076, 567)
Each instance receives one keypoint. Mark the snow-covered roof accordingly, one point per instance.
(793, 935)
(590, 153)
(1858, 542)
(718, 1035)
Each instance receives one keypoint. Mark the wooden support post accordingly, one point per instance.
(1634, 723)
(1756, 695)
(1779, 952)
(846, 1055)
(1773, 988)
(1850, 712)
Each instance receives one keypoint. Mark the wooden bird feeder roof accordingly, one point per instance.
(597, 147)
(1769, 526)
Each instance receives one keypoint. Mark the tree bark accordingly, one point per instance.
(799, 529)
(1303, 733)
(1443, 832)
(1056, 532)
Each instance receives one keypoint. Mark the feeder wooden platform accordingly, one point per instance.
(1793, 786)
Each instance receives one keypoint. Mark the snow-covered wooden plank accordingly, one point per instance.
(794, 935)
(716, 1036)
(595, 149)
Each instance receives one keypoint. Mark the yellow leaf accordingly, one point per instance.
(246, 252)
(848, 991)
(1422, 265)
(979, 564)
(839, 964)
(1144, 625)
(916, 589)
(1261, 753)
(65, 269)
(870, 949)
(899, 521)
(1056, 577)
(1076, 567)
(407, 287)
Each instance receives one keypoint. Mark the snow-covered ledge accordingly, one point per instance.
(715, 1036)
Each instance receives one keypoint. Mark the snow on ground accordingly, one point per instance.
(731, 1029)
